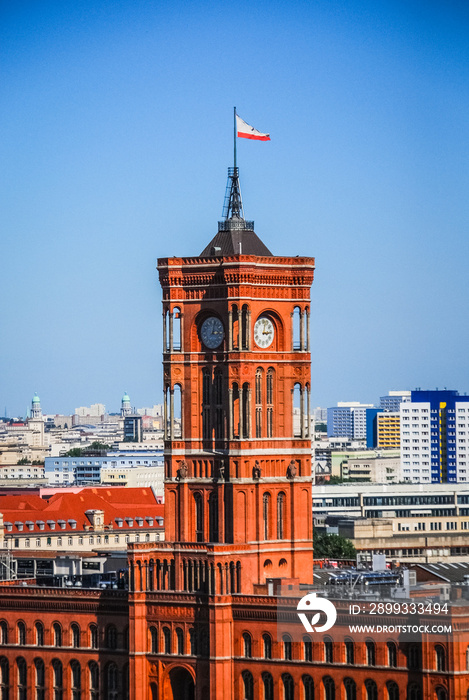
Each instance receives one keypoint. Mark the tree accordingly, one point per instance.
(25, 460)
(333, 547)
(74, 452)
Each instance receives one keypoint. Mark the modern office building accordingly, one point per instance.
(392, 402)
(435, 437)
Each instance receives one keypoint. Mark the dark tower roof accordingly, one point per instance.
(235, 235)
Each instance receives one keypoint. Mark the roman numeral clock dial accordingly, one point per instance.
(263, 332)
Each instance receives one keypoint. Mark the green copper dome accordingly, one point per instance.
(126, 398)
(36, 399)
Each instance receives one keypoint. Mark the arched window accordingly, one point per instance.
(440, 658)
(176, 328)
(393, 690)
(413, 692)
(206, 403)
(259, 402)
(287, 647)
(270, 402)
(297, 410)
(39, 629)
(3, 632)
(296, 328)
(199, 517)
(4, 678)
(176, 428)
(93, 670)
(329, 688)
(349, 652)
(267, 644)
(247, 645)
(268, 683)
(180, 640)
(288, 686)
(75, 629)
(392, 654)
(266, 515)
(75, 670)
(125, 681)
(111, 637)
(248, 682)
(441, 693)
(245, 328)
(213, 517)
(21, 634)
(57, 634)
(371, 690)
(22, 678)
(413, 656)
(93, 637)
(307, 648)
(40, 679)
(370, 653)
(328, 650)
(281, 516)
(245, 408)
(153, 640)
(57, 679)
(167, 640)
(308, 688)
(219, 412)
(112, 682)
(350, 689)
(193, 641)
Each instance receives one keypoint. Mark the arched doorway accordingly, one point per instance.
(154, 691)
(182, 684)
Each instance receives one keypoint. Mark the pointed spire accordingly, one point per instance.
(233, 205)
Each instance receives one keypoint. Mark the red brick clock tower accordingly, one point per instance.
(236, 361)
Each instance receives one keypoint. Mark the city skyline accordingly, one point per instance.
(117, 135)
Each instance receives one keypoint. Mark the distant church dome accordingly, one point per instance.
(126, 398)
(36, 399)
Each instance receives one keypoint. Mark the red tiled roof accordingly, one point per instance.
(118, 504)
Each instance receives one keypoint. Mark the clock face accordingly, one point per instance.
(212, 332)
(263, 332)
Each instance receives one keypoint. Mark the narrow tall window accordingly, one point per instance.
(349, 652)
(370, 653)
(392, 654)
(112, 682)
(258, 392)
(329, 688)
(219, 413)
(268, 683)
(287, 647)
(308, 688)
(75, 669)
(57, 634)
(266, 515)
(21, 634)
(22, 678)
(280, 516)
(199, 517)
(270, 402)
(248, 685)
(328, 650)
(153, 640)
(206, 408)
(39, 627)
(180, 641)
(167, 640)
(3, 632)
(75, 636)
(93, 636)
(94, 680)
(57, 679)
(267, 642)
(440, 658)
(371, 690)
(247, 645)
(307, 649)
(350, 689)
(393, 690)
(288, 686)
(4, 678)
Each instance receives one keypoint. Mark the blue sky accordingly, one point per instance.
(116, 123)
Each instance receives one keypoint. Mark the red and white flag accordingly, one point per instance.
(245, 131)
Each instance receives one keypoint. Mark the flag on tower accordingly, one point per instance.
(245, 131)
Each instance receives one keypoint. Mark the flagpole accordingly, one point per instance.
(234, 134)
